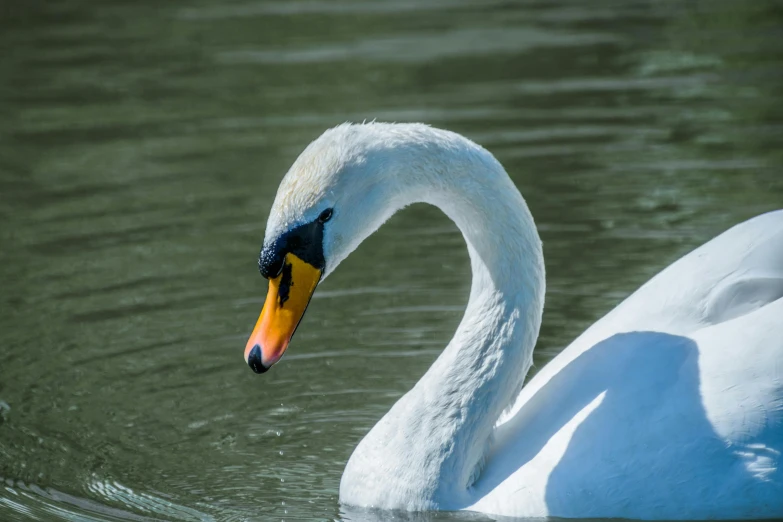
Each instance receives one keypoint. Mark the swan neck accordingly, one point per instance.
(483, 367)
(452, 410)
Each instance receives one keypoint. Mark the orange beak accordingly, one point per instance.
(286, 301)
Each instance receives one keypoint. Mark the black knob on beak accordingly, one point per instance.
(271, 259)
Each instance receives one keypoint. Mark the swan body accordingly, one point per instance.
(669, 407)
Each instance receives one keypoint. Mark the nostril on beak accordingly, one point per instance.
(254, 360)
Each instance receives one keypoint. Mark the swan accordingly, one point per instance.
(669, 407)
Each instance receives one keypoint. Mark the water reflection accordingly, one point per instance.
(140, 149)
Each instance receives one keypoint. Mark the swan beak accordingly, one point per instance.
(286, 301)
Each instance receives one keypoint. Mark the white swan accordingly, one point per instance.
(670, 407)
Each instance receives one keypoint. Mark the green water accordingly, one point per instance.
(141, 144)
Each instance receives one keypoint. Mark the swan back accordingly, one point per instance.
(739, 271)
(681, 384)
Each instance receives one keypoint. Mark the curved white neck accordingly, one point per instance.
(432, 442)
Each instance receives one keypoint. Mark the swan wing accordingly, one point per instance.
(671, 406)
(735, 273)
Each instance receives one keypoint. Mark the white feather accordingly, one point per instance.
(671, 406)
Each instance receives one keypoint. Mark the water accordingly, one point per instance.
(141, 144)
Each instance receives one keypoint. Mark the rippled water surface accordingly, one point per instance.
(141, 144)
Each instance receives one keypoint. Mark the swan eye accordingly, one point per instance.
(325, 216)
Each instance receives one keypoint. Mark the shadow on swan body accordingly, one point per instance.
(671, 406)
(613, 457)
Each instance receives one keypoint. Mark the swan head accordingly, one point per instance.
(339, 190)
